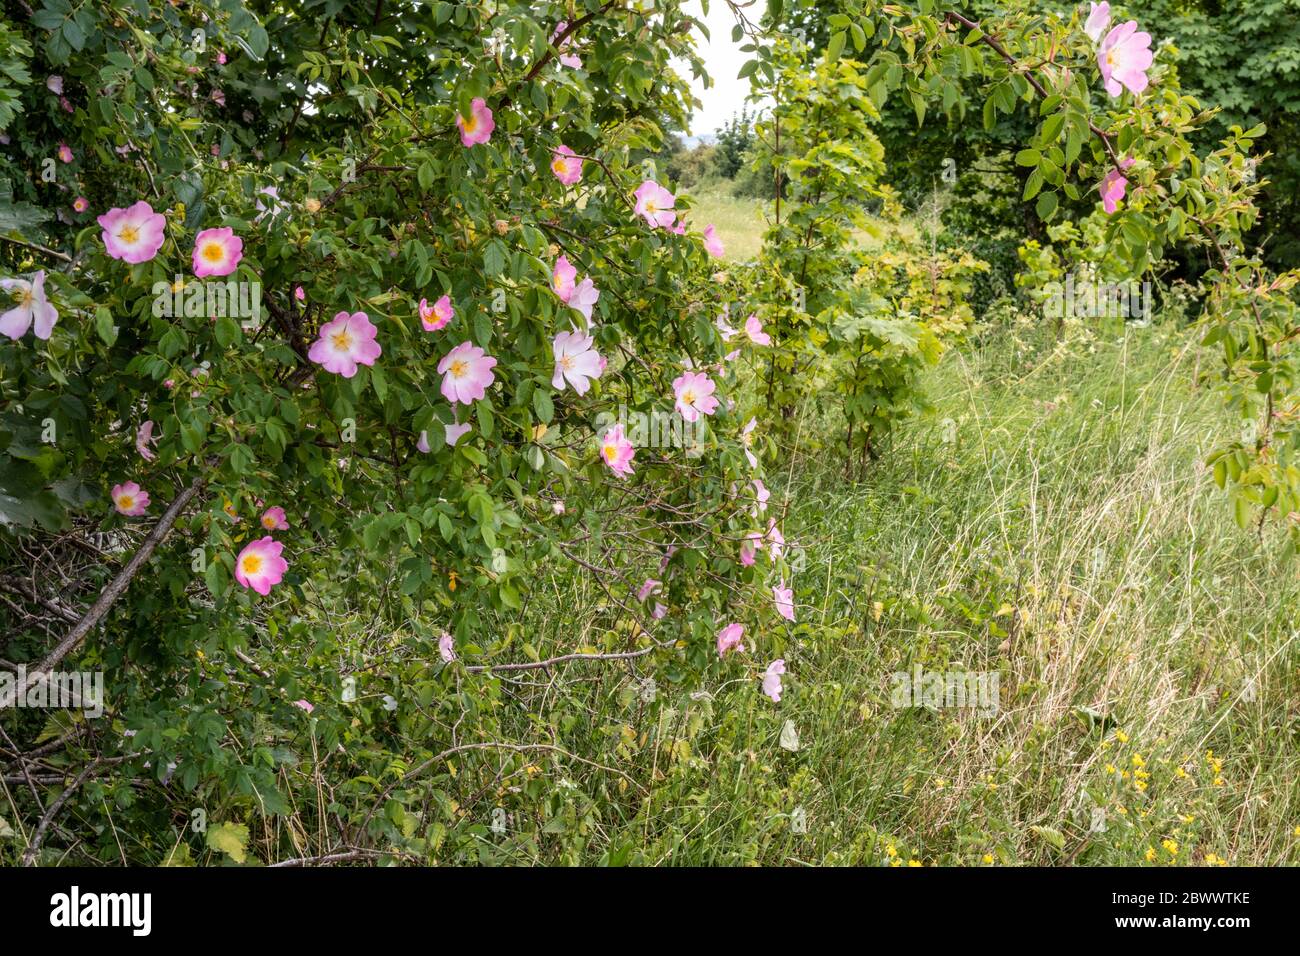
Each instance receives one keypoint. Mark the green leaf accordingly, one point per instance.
(228, 838)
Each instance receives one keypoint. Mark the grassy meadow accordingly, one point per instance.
(1048, 521)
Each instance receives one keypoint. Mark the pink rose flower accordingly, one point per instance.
(694, 391)
(772, 680)
(566, 165)
(1113, 186)
(435, 317)
(784, 601)
(754, 329)
(478, 128)
(467, 373)
(273, 519)
(1124, 57)
(29, 306)
(217, 252)
(655, 205)
(134, 234)
(345, 343)
(259, 566)
(447, 647)
(730, 637)
(584, 298)
(617, 451)
(1098, 20)
(453, 433)
(575, 362)
(129, 499)
(712, 243)
(563, 277)
(143, 439)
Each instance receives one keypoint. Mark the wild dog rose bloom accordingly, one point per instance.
(1098, 20)
(273, 519)
(563, 279)
(730, 637)
(345, 343)
(571, 60)
(1124, 57)
(447, 647)
(747, 439)
(478, 128)
(775, 539)
(54, 83)
(784, 601)
(129, 499)
(454, 433)
(134, 234)
(566, 165)
(712, 243)
(754, 329)
(259, 566)
(29, 306)
(467, 373)
(584, 298)
(143, 439)
(80, 204)
(655, 205)
(575, 362)
(422, 443)
(435, 317)
(650, 587)
(617, 451)
(694, 391)
(761, 493)
(1113, 186)
(216, 252)
(772, 680)
(65, 153)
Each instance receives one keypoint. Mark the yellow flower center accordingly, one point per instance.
(458, 368)
(24, 298)
(342, 340)
(611, 452)
(126, 502)
(566, 362)
(129, 234)
(213, 251)
(252, 563)
(471, 124)
(268, 523)
(1110, 59)
(559, 166)
(650, 206)
(688, 397)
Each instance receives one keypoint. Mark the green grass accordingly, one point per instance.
(738, 221)
(1060, 531)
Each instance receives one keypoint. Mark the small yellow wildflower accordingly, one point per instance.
(1121, 736)
(1170, 847)
(1151, 854)
(988, 857)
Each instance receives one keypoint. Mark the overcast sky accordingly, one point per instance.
(723, 60)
